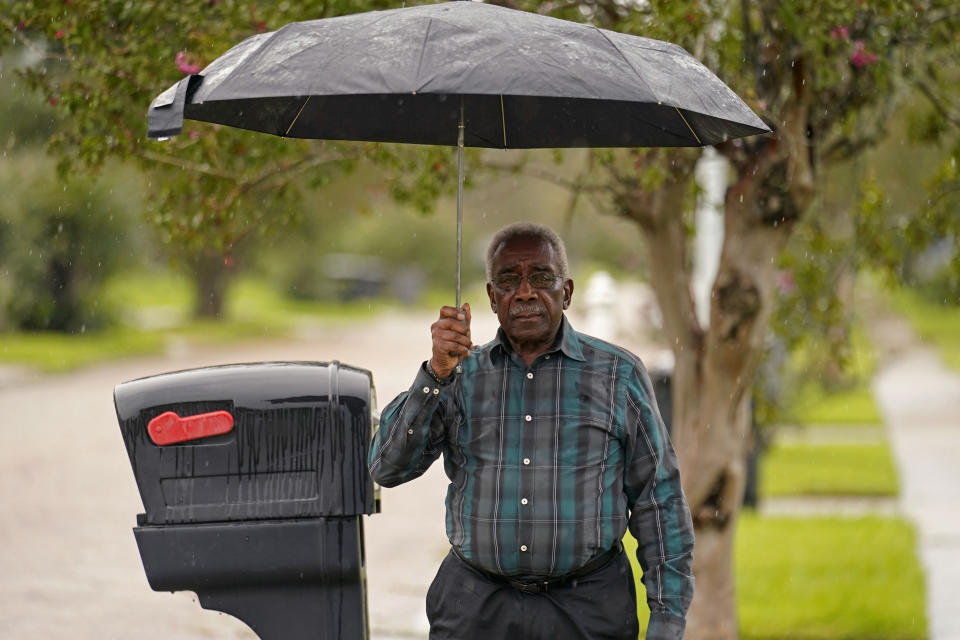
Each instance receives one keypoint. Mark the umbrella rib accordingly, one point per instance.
(503, 122)
(423, 50)
(695, 136)
(297, 117)
(629, 64)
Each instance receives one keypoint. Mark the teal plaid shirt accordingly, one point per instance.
(549, 464)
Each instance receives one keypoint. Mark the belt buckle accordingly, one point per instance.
(532, 587)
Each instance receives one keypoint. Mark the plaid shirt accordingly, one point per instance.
(549, 464)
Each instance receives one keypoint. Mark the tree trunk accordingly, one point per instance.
(714, 366)
(211, 279)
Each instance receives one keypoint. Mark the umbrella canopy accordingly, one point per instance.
(460, 73)
(523, 81)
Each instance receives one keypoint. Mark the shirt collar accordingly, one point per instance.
(567, 342)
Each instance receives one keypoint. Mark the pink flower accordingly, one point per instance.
(860, 57)
(785, 282)
(840, 33)
(53, 102)
(59, 34)
(184, 64)
(194, 135)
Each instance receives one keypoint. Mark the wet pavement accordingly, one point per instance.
(920, 401)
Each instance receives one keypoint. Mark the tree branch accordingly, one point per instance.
(949, 114)
(180, 163)
(576, 184)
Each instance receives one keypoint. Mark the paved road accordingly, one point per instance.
(920, 402)
(69, 565)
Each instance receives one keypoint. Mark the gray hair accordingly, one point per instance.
(527, 230)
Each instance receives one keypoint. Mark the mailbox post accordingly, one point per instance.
(254, 483)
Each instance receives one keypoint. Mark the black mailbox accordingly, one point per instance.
(254, 480)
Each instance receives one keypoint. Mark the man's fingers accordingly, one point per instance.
(451, 335)
(456, 336)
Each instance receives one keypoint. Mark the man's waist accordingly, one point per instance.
(542, 583)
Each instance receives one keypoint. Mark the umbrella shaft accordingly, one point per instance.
(459, 199)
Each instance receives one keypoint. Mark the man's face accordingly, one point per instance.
(530, 316)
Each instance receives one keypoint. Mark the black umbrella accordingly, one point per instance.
(460, 73)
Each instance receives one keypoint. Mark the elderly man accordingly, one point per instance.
(554, 446)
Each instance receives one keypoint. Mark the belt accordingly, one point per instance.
(542, 585)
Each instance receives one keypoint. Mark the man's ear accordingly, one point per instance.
(493, 300)
(567, 293)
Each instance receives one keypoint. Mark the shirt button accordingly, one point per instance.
(546, 357)
(410, 431)
(523, 547)
(528, 418)
(530, 376)
(526, 461)
(523, 501)
(426, 389)
(436, 391)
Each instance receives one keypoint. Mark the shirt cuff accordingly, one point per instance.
(664, 626)
(426, 385)
(433, 374)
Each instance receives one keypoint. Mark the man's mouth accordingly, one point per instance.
(524, 312)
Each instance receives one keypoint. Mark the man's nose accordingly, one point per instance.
(525, 291)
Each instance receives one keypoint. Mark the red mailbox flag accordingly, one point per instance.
(169, 428)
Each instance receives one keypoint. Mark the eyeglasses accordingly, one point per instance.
(539, 280)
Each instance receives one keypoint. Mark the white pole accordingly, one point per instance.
(712, 175)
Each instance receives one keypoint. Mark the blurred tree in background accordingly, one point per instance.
(213, 191)
(59, 245)
(60, 240)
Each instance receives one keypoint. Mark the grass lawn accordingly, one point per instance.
(810, 404)
(56, 352)
(813, 406)
(937, 324)
(156, 309)
(828, 470)
(825, 579)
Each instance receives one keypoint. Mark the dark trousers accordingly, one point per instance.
(465, 604)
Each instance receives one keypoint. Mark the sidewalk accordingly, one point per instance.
(920, 402)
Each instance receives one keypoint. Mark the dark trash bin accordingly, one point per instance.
(662, 381)
(254, 480)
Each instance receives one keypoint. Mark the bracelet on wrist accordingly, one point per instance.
(439, 380)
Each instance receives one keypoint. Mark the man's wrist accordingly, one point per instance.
(441, 380)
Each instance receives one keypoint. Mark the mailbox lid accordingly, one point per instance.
(295, 445)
